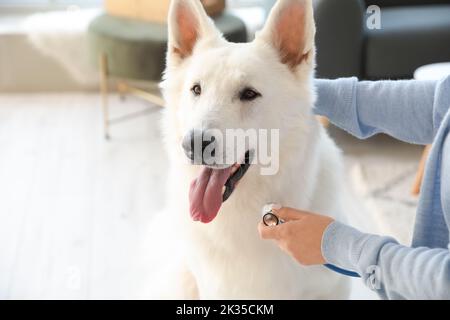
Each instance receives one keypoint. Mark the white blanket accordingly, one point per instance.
(62, 35)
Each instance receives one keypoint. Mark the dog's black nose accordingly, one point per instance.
(188, 144)
(198, 147)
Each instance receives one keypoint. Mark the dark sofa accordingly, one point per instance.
(413, 33)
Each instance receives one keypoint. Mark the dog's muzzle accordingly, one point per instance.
(194, 145)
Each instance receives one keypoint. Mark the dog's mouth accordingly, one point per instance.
(213, 187)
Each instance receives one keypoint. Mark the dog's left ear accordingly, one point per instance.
(290, 30)
(188, 24)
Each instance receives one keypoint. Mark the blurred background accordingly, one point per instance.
(82, 166)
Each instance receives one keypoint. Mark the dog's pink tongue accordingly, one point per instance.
(205, 194)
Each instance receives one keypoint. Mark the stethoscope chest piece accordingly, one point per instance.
(270, 219)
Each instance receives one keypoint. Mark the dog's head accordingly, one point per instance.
(212, 86)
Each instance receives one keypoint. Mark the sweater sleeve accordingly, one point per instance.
(392, 270)
(403, 109)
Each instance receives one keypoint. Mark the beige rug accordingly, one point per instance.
(385, 191)
(381, 171)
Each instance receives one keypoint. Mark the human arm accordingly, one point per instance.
(392, 270)
(404, 109)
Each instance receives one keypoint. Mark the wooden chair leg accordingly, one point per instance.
(420, 171)
(324, 121)
(104, 93)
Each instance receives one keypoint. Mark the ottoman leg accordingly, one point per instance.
(122, 90)
(104, 93)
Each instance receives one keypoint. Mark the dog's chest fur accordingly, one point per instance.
(229, 260)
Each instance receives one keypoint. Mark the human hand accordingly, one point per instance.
(300, 235)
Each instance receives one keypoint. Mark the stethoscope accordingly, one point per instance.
(270, 219)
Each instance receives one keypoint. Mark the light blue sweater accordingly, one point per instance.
(416, 112)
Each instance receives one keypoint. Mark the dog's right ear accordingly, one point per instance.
(188, 25)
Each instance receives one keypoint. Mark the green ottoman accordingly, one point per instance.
(136, 50)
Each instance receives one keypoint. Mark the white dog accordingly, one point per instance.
(268, 83)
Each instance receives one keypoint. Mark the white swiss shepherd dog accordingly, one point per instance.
(267, 84)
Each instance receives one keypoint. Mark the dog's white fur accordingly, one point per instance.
(226, 258)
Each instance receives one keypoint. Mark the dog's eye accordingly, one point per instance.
(196, 90)
(249, 94)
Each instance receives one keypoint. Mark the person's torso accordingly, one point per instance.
(445, 181)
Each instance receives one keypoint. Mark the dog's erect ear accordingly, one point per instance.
(188, 24)
(290, 30)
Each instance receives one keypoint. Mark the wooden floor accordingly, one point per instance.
(72, 206)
